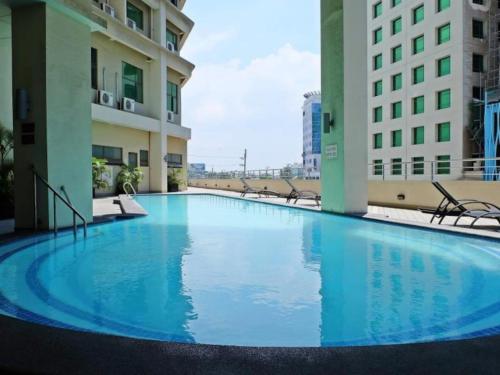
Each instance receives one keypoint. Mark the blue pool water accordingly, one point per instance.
(216, 270)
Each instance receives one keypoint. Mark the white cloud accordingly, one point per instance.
(231, 106)
(203, 43)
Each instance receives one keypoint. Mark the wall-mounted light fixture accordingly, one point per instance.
(401, 197)
(328, 122)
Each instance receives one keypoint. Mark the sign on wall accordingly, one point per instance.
(331, 151)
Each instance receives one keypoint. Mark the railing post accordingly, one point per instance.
(432, 170)
(406, 171)
(383, 172)
(55, 214)
(35, 207)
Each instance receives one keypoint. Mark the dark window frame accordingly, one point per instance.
(99, 151)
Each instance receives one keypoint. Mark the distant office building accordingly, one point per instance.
(197, 170)
(294, 170)
(311, 156)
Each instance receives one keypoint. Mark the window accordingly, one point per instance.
(395, 3)
(132, 82)
(443, 164)
(444, 99)
(396, 166)
(480, 2)
(418, 136)
(417, 165)
(136, 15)
(443, 34)
(397, 53)
(377, 36)
(444, 66)
(396, 26)
(442, 5)
(144, 158)
(397, 110)
(172, 38)
(93, 68)
(377, 62)
(378, 167)
(172, 97)
(377, 9)
(377, 88)
(113, 155)
(174, 160)
(132, 159)
(477, 63)
(443, 132)
(397, 82)
(396, 138)
(418, 74)
(418, 44)
(477, 29)
(377, 114)
(478, 93)
(418, 105)
(377, 141)
(418, 14)
(174, 2)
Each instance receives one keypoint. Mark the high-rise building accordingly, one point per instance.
(311, 156)
(426, 67)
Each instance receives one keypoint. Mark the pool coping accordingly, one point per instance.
(62, 351)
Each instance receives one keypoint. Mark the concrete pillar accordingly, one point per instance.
(343, 80)
(51, 61)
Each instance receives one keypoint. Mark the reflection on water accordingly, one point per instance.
(224, 271)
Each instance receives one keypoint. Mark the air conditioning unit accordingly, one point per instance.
(170, 116)
(171, 46)
(108, 9)
(128, 105)
(106, 98)
(131, 24)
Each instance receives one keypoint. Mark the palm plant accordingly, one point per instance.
(130, 175)
(6, 143)
(6, 174)
(98, 169)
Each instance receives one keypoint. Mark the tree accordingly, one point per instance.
(6, 143)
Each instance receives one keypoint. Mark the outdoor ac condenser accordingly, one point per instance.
(131, 24)
(108, 9)
(171, 46)
(170, 116)
(106, 98)
(128, 104)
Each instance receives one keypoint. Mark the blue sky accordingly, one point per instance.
(254, 60)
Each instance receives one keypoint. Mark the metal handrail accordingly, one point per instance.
(131, 186)
(68, 204)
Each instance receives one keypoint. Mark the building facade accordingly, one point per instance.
(137, 79)
(311, 156)
(426, 68)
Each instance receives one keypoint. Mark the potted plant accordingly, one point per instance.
(98, 169)
(131, 175)
(6, 174)
(174, 180)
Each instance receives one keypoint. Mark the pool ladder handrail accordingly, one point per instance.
(126, 192)
(56, 195)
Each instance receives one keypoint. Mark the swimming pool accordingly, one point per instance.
(216, 270)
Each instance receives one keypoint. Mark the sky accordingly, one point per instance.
(254, 61)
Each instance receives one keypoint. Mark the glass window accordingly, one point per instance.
(443, 34)
(418, 105)
(377, 114)
(418, 14)
(396, 26)
(444, 99)
(418, 135)
(377, 9)
(132, 159)
(477, 29)
(417, 165)
(443, 132)
(418, 74)
(93, 68)
(377, 141)
(444, 66)
(172, 38)
(397, 82)
(132, 82)
(144, 158)
(378, 167)
(477, 92)
(377, 88)
(174, 160)
(113, 155)
(136, 15)
(442, 5)
(397, 53)
(397, 166)
(172, 97)
(397, 110)
(477, 63)
(418, 44)
(480, 2)
(443, 164)
(395, 3)
(377, 62)
(377, 36)
(397, 138)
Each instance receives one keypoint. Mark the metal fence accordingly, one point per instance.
(417, 170)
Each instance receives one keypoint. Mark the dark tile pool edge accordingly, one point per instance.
(31, 348)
